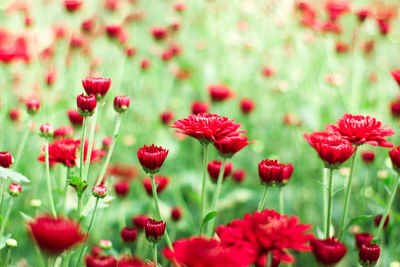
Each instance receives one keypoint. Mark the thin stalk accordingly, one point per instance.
(157, 207)
(347, 200)
(65, 192)
(8, 257)
(325, 199)
(262, 201)
(389, 204)
(139, 244)
(88, 233)
(66, 259)
(217, 192)
(23, 143)
(91, 140)
(82, 147)
(79, 210)
(204, 184)
(49, 192)
(155, 255)
(281, 208)
(4, 223)
(329, 210)
(2, 188)
(110, 150)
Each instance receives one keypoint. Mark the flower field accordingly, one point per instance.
(201, 133)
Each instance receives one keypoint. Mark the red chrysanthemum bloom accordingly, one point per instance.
(14, 114)
(32, 106)
(55, 236)
(359, 129)
(139, 221)
(214, 167)
(231, 145)
(362, 238)
(271, 172)
(129, 234)
(129, 261)
(331, 148)
(396, 76)
(328, 251)
(62, 151)
(369, 254)
(96, 86)
(64, 132)
(219, 92)
(199, 107)
(74, 117)
(167, 117)
(368, 156)
(122, 188)
(207, 128)
(160, 181)
(394, 155)
(246, 105)
(152, 157)
(202, 252)
(239, 175)
(121, 103)
(6, 159)
(100, 261)
(154, 230)
(266, 232)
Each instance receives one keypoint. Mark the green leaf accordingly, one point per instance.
(13, 175)
(77, 183)
(209, 216)
(338, 190)
(26, 217)
(358, 219)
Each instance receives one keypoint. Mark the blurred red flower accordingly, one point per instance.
(219, 92)
(328, 251)
(160, 181)
(62, 151)
(214, 167)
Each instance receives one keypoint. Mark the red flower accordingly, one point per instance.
(113, 30)
(362, 14)
(395, 108)
(202, 252)
(394, 155)
(6, 159)
(46, 130)
(246, 105)
(128, 261)
(331, 148)
(369, 254)
(55, 236)
(167, 117)
(87, 25)
(180, 6)
(72, 5)
(32, 106)
(368, 156)
(62, 151)
(160, 181)
(154, 230)
(123, 171)
(265, 232)
(378, 218)
(336, 8)
(145, 64)
(14, 189)
(273, 173)
(341, 47)
(128, 234)
(64, 132)
(14, 114)
(328, 251)
(13, 48)
(152, 157)
(199, 107)
(359, 129)
(139, 221)
(219, 92)
(122, 188)
(74, 117)
(86, 104)
(100, 261)
(267, 71)
(214, 167)
(159, 33)
(239, 175)
(96, 86)
(99, 191)
(231, 145)
(362, 238)
(396, 76)
(207, 128)
(96, 153)
(176, 213)
(121, 103)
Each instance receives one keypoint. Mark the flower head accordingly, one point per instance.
(166, 117)
(368, 156)
(100, 261)
(328, 251)
(55, 236)
(72, 5)
(369, 254)
(14, 189)
(154, 230)
(74, 117)
(121, 103)
(199, 107)
(214, 167)
(176, 213)
(129, 261)
(394, 155)
(219, 92)
(64, 132)
(359, 129)
(62, 151)
(129, 234)
(151, 157)
(32, 106)
(99, 191)
(139, 221)
(6, 159)
(396, 76)
(239, 175)
(46, 130)
(122, 188)
(160, 181)
(86, 104)
(96, 86)
(229, 146)
(378, 218)
(246, 105)
(271, 172)
(362, 238)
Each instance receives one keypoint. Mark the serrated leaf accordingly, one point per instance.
(26, 217)
(13, 175)
(209, 216)
(358, 219)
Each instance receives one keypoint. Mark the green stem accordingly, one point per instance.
(347, 199)
(389, 204)
(155, 255)
(325, 200)
(204, 185)
(281, 208)
(8, 258)
(50, 194)
(79, 210)
(157, 207)
(110, 151)
(4, 223)
(23, 143)
(2, 188)
(91, 140)
(217, 192)
(88, 233)
(262, 201)
(82, 147)
(329, 211)
(65, 192)
(67, 259)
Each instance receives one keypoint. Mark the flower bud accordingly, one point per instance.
(122, 188)
(11, 243)
(129, 234)
(107, 141)
(105, 244)
(96, 86)
(369, 254)
(121, 103)
(6, 159)
(46, 130)
(74, 117)
(32, 106)
(36, 203)
(154, 230)
(14, 189)
(99, 191)
(86, 105)
(176, 213)
(362, 238)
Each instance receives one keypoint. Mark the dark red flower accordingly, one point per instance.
(207, 128)
(96, 153)
(152, 157)
(359, 129)
(202, 252)
(214, 167)
(167, 117)
(145, 64)
(383, 25)
(64, 132)
(62, 151)
(328, 251)
(331, 148)
(74, 117)
(113, 30)
(160, 181)
(264, 232)
(100, 261)
(199, 107)
(154, 230)
(246, 105)
(129, 234)
(336, 8)
(396, 76)
(139, 221)
(86, 104)
(6, 159)
(167, 55)
(129, 261)
(394, 155)
(395, 108)
(362, 238)
(229, 146)
(369, 254)
(378, 218)
(239, 175)
(368, 156)
(122, 188)
(14, 114)
(121, 103)
(363, 14)
(87, 25)
(96, 251)
(123, 171)
(55, 236)
(72, 5)
(271, 172)
(96, 86)
(159, 33)
(219, 92)
(32, 106)
(267, 71)
(176, 213)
